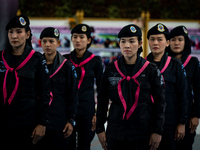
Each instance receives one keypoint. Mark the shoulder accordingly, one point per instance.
(98, 60)
(175, 62)
(38, 54)
(152, 67)
(67, 55)
(195, 61)
(69, 63)
(110, 66)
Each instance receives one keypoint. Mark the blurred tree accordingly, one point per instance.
(159, 9)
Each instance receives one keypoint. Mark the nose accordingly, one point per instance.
(47, 43)
(127, 44)
(14, 35)
(78, 39)
(176, 42)
(155, 42)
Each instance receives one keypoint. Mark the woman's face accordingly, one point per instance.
(17, 37)
(49, 45)
(177, 44)
(158, 43)
(129, 46)
(80, 41)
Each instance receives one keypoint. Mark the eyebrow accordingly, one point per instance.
(128, 39)
(159, 37)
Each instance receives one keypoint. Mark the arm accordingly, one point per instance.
(98, 76)
(72, 100)
(72, 91)
(195, 114)
(159, 105)
(102, 108)
(43, 88)
(181, 92)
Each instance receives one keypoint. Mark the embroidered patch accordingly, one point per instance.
(22, 21)
(114, 80)
(2, 67)
(184, 71)
(185, 30)
(56, 32)
(133, 29)
(74, 70)
(84, 28)
(161, 28)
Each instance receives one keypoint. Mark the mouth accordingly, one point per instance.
(47, 49)
(155, 48)
(77, 45)
(127, 51)
(14, 42)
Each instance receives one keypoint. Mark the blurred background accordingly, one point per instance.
(105, 18)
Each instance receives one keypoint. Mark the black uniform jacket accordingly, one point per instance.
(175, 90)
(193, 77)
(64, 88)
(31, 102)
(147, 118)
(93, 70)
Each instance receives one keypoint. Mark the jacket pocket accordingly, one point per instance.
(26, 81)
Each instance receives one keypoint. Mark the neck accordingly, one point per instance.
(80, 53)
(158, 57)
(50, 57)
(178, 56)
(131, 60)
(18, 50)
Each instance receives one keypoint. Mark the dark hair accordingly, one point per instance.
(187, 48)
(28, 41)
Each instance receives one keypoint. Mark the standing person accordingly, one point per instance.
(133, 121)
(180, 48)
(64, 90)
(175, 86)
(24, 89)
(89, 68)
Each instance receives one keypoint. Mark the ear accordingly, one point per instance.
(89, 41)
(59, 42)
(28, 33)
(167, 43)
(140, 44)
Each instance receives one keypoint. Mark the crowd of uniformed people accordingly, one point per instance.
(47, 100)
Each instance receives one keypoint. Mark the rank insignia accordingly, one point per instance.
(56, 32)
(133, 29)
(22, 21)
(161, 28)
(84, 28)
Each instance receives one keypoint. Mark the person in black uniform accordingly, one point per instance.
(89, 69)
(134, 121)
(180, 48)
(175, 86)
(64, 92)
(24, 90)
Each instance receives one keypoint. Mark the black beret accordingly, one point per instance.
(158, 29)
(129, 31)
(82, 29)
(179, 30)
(18, 21)
(50, 32)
